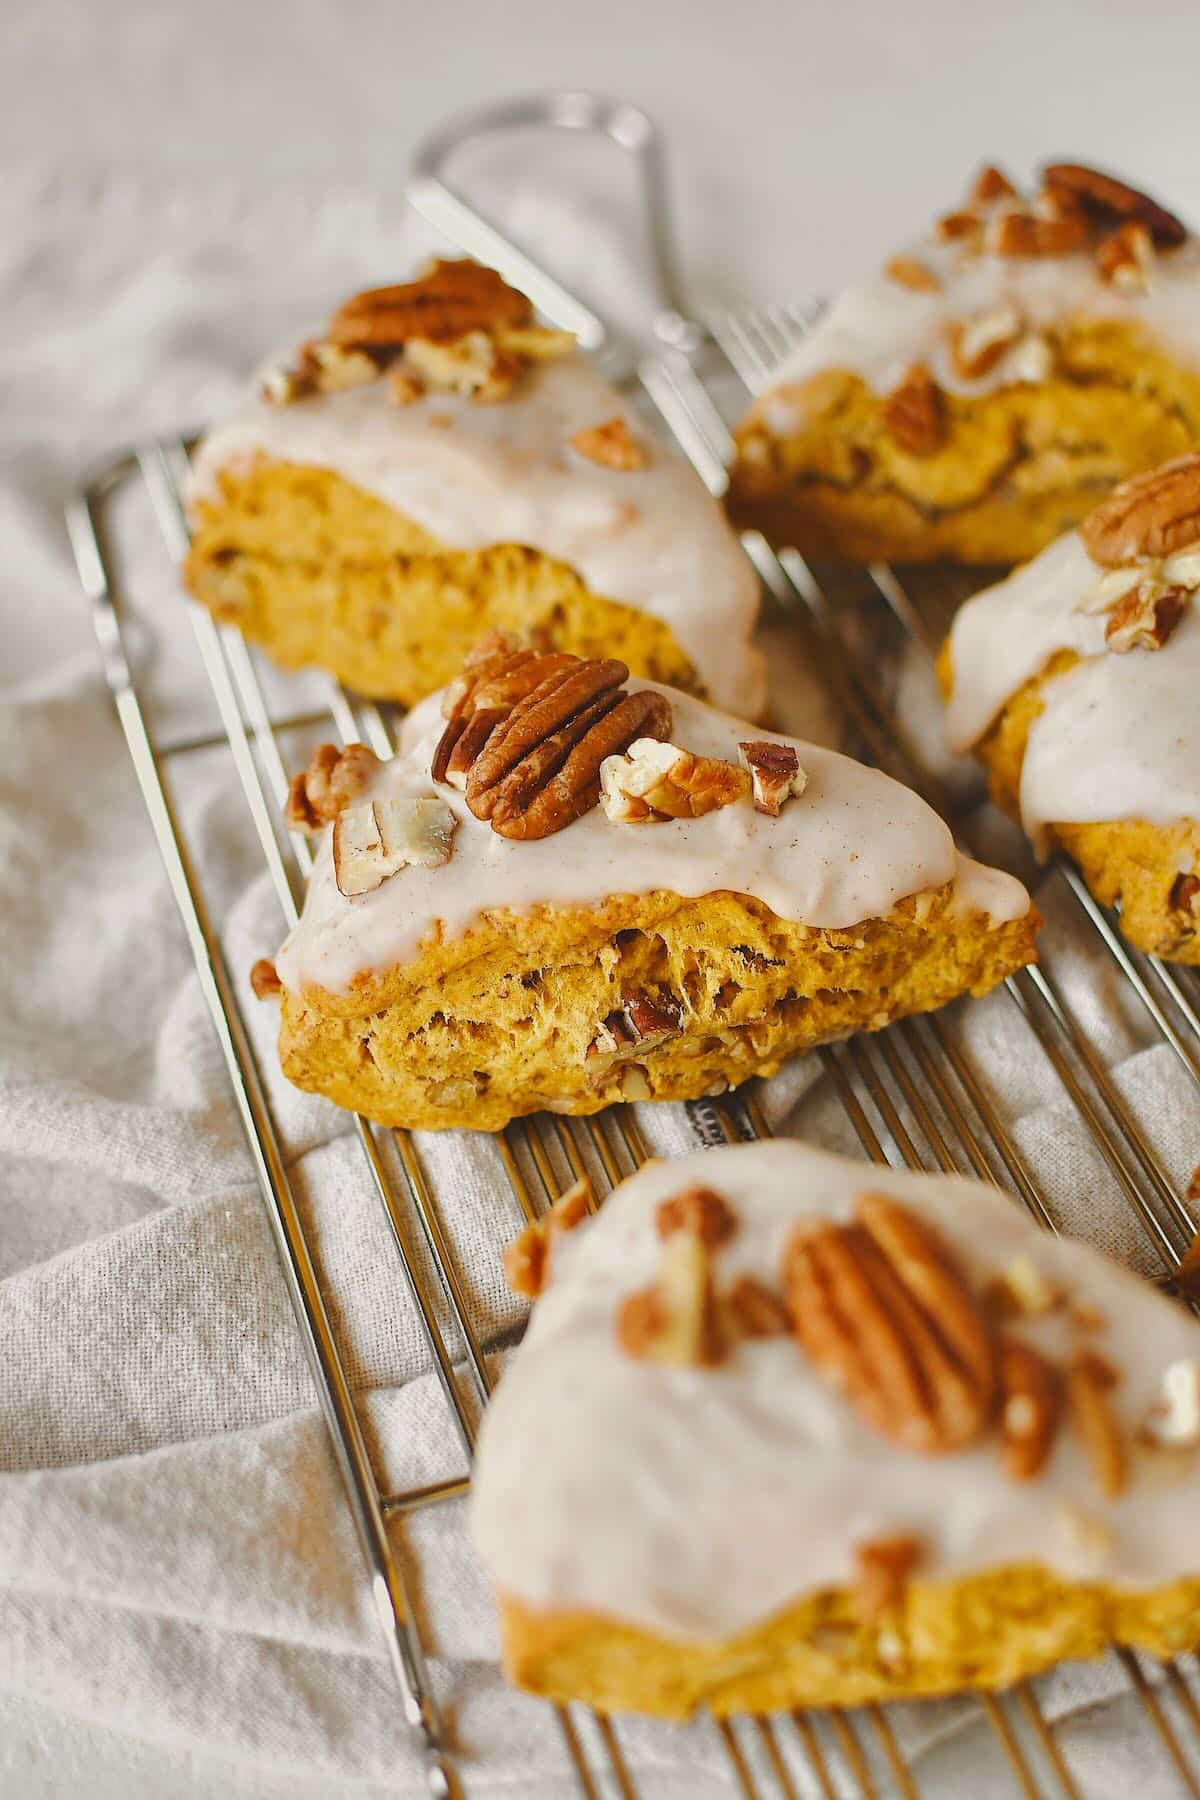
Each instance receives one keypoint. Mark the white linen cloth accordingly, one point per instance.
(182, 1610)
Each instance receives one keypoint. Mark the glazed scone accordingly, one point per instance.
(437, 466)
(1075, 681)
(677, 904)
(790, 1431)
(974, 397)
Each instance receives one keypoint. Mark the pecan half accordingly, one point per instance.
(264, 979)
(775, 774)
(1154, 514)
(698, 1210)
(1105, 198)
(526, 1260)
(914, 414)
(654, 781)
(333, 778)
(1145, 617)
(1030, 1409)
(882, 1311)
(676, 1320)
(1089, 1380)
(612, 445)
(884, 1566)
(540, 768)
(450, 300)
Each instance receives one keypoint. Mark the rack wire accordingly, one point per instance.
(911, 1094)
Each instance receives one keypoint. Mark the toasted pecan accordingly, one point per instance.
(334, 777)
(1107, 199)
(264, 979)
(700, 1210)
(884, 1568)
(882, 1311)
(1150, 515)
(753, 1310)
(1089, 1380)
(1145, 617)
(914, 414)
(526, 1260)
(1030, 1411)
(452, 299)
(675, 1320)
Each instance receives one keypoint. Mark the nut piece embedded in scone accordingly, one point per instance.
(376, 840)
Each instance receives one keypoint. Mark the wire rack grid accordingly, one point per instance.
(912, 1095)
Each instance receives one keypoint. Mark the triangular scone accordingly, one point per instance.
(1076, 682)
(970, 398)
(487, 933)
(437, 466)
(788, 1430)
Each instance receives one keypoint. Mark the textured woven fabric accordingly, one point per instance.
(181, 1603)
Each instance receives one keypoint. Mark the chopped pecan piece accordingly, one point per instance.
(676, 1320)
(1145, 618)
(527, 1259)
(1106, 199)
(404, 389)
(1089, 1381)
(1030, 1409)
(264, 979)
(1173, 1419)
(473, 364)
(914, 414)
(753, 1310)
(283, 387)
(775, 774)
(978, 343)
(653, 781)
(534, 343)
(883, 1312)
(335, 368)
(379, 838)
(331, 781)
(991, 184)
(1024, 234)
(699, 1210)
(1022, 1291)
(1150, 515)
(1126, 256)
(961, 224)
(908, 272)
(884, 1568)
(612, 445)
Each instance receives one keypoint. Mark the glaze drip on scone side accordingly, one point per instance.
(853, 845)
(1118, 736)
(475, 475)
(879, 328)
(698, 1502)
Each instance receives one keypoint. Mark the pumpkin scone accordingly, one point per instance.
(572, 887)
(1076, 681)
(974, 397)
(788, 1431)
(437, 465)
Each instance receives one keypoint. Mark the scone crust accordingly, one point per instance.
(1017, 465)
(985, 1631)
(498, 1023)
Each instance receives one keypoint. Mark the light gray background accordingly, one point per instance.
(802, 134)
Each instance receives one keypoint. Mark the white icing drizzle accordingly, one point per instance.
(851, 846)
(475, 474)
(1119, 736)
(877, 328)
(698, 1502)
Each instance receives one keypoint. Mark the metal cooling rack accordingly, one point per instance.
(910, 1093)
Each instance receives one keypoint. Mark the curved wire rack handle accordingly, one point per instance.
(624, 125)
